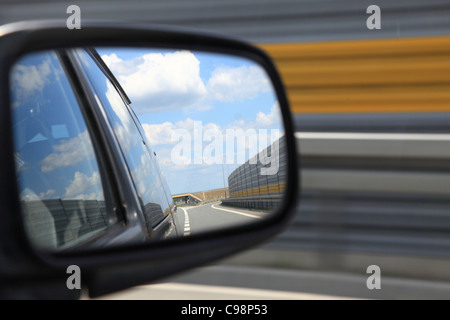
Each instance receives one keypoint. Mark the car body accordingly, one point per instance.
(66, 199)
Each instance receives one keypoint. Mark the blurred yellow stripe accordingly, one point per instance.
(388, 75)
(262, 190)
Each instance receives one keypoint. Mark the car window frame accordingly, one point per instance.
(100, 237)
(165, 201)
(105, 144)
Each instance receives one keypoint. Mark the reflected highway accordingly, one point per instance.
(214, 216)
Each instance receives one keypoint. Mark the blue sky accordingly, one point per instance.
(175, 90)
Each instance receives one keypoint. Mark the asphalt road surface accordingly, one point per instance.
(214, 216)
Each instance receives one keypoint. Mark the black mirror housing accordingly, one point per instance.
(106, 270)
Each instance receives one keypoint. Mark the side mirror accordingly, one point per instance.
(135, 153)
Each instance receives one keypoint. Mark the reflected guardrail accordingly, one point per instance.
(264, 202)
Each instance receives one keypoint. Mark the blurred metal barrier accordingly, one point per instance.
(255, 20)
(360, 76)
(254, 202)
(379, 193)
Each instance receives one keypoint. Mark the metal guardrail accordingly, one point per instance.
(254, 202)
(258, 21)
(372, 193)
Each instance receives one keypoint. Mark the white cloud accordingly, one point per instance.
(82, 183)
(251, 136)
(159, 81)
(69, 153)
(30, 80)
(165, 133)
(238, 141)
(28, 195)
(49, 194)
(231, 84)
(267, 120)
(159, 134)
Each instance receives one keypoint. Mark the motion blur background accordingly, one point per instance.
(371, 112)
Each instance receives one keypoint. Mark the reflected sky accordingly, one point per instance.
(53, 149)
(178, 91)
(61, 190)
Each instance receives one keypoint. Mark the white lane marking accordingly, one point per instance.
(241, 213)
(187, 226)
(181, 291)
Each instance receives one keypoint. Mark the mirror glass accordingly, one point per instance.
(198, 134)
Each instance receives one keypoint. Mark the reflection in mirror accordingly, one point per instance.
(61, 184)
(201, 135)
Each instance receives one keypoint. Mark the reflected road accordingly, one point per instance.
(214, 216)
